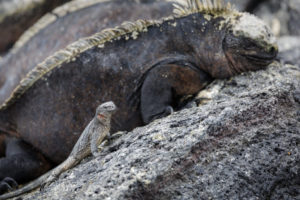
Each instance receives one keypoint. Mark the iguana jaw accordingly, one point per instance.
(248, 57)
(259, 55)
(263, 58)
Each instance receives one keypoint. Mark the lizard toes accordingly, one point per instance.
(43, 186)
(46, 184)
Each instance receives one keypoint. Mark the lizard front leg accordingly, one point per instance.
(98, 138)
(165, 84)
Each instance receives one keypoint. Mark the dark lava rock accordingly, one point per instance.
(242, 142)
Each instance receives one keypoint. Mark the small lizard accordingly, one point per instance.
(92, 136)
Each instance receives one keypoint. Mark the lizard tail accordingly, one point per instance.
(31, 186)
(44, 179)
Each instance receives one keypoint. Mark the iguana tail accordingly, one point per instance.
(45, 179)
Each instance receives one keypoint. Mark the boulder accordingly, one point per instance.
(241, 142)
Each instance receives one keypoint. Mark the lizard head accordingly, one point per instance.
(105, 110)
(248, 43)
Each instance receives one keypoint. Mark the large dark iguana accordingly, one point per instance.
(66, 24)
(17, 15)
(143, 66)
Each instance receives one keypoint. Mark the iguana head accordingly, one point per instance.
(248, 44)
(105, 110)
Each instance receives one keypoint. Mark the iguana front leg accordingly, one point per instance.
(165, 84)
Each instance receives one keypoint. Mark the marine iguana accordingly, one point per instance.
(92, 136)
(143, 66)
(79, 19)
(18, 15)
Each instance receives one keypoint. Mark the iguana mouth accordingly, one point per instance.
(261, 59)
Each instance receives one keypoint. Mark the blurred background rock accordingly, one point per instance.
(18, 15)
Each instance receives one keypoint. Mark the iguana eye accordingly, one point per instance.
(249, 45)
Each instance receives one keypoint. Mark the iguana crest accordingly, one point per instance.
(127, 29)
(216, 7)
(71, 51)
(180, 8)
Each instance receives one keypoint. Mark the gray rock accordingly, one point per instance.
(289, 49)
(282, 16)
(242, 142)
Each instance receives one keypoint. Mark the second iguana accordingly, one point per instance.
(143, 66)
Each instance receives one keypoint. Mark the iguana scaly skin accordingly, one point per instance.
(92, 136)
(143, 66)
(17, 15)
(65, 25)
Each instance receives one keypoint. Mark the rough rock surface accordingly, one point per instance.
(242, 142)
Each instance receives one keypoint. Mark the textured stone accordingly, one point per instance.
(242, 142)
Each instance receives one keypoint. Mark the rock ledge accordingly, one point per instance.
(242, 142)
